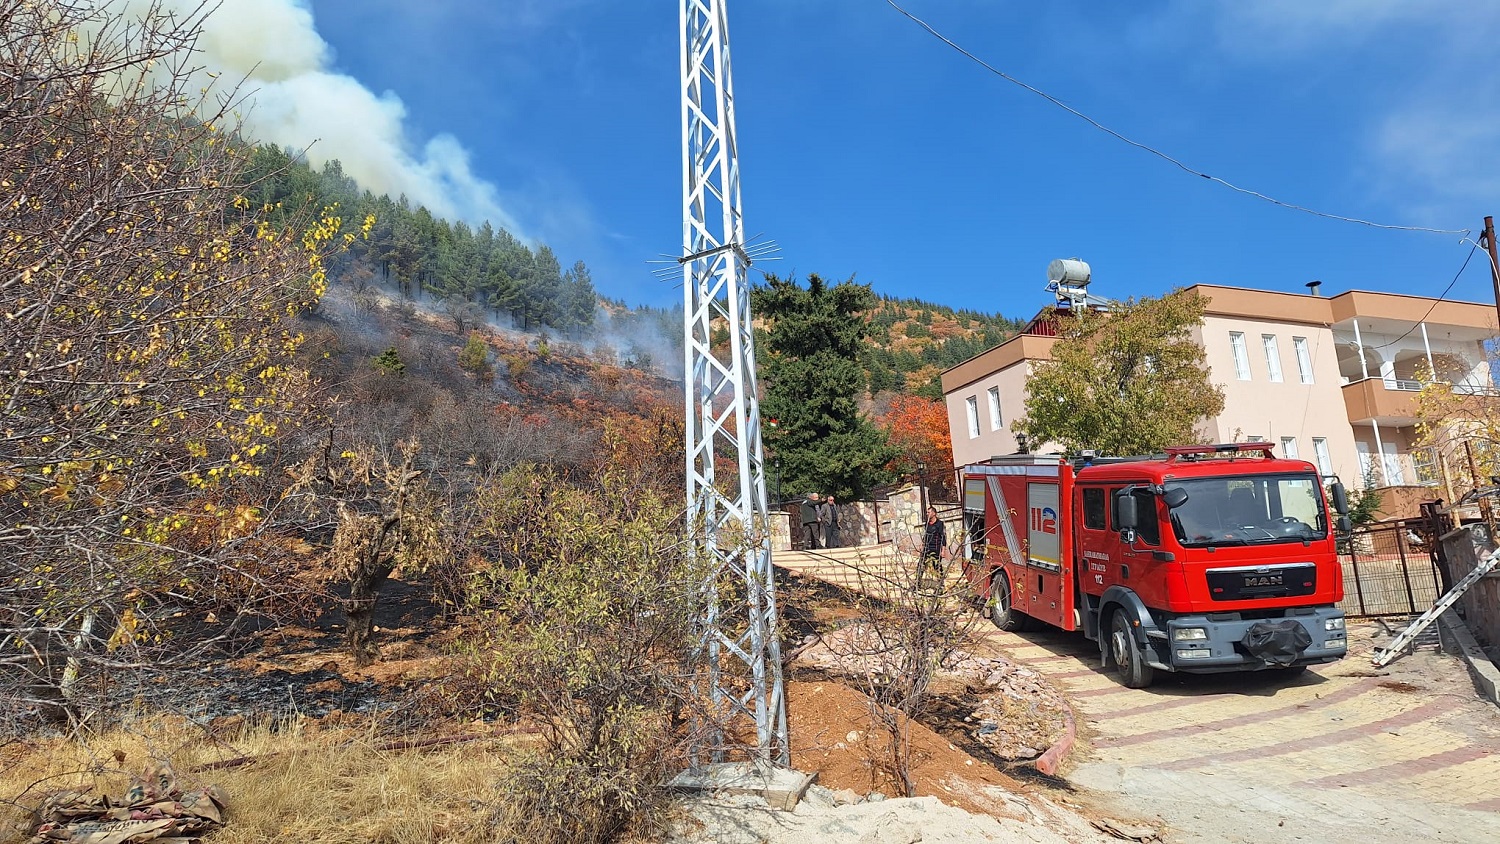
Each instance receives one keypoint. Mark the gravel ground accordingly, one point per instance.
(822, 817)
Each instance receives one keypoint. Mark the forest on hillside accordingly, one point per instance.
(486, 273)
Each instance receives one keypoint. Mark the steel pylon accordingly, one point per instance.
(726, 482)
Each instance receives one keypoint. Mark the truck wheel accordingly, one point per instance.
(1126, 653)
(1002, 613)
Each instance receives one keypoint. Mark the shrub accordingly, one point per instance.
(589, 610)
(475, 355)
(517, 366)
(389, 362)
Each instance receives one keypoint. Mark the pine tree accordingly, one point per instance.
(809, 364)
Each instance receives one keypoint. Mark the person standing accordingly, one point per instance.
(934, 541)
(810, 526)
(828, 519)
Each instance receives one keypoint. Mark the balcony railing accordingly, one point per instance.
(1411, 385)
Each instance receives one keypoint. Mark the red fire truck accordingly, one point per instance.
(1203, 559)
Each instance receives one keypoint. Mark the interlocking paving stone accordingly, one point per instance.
(1343, 753)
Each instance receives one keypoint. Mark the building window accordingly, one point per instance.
(1320, 450)
(1241, 356)
(1289, 448)
(995, 420)
(1304, 359)
(1273, 356)
(971, 404)
(1255, 439)
(1424, 462)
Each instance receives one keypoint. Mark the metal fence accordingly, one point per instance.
(1389, 570)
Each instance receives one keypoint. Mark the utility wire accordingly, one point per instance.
(1156, 152)
(1440, 298)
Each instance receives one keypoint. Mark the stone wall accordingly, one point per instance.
(781, 536)
(897, 518)
(1481, 603)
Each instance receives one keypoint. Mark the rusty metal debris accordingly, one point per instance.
(151, 809)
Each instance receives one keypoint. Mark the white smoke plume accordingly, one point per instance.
(272, 50)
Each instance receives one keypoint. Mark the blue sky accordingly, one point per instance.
(869, 148)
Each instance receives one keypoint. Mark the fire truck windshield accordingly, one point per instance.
(1249, 510)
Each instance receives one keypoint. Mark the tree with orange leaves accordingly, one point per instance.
(919, 428)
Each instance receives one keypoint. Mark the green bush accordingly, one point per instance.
(389, 363)
(588, 611)
(475, 355)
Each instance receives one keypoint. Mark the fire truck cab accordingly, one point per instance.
(1203, 559)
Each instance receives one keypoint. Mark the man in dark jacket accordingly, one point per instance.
(810, 526)
(934, 542)
(828, 518)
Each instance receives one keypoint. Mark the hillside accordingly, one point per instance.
(237, 423)
(483, 395)
(486, 275)
(912, 341)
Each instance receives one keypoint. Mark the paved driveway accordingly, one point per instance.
(1346, 753)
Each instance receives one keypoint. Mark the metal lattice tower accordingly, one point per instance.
(726, 481)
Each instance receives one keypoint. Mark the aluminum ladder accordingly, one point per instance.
(1383, 656)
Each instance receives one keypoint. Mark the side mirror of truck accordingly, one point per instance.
(1343, 524)
(1340, 499)
(1175, 497)
(1127, 517)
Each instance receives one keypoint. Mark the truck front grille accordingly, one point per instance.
(1245, 583)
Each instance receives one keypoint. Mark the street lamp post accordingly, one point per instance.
(922, 486)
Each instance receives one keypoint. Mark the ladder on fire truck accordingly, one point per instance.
(1383, 656)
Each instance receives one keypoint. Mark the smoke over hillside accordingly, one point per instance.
(297, 100)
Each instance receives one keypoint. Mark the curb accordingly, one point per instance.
(1457, 638)
(1050, 761)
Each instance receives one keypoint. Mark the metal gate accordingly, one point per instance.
(1389, 569)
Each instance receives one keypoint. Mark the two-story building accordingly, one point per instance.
(1330, 380)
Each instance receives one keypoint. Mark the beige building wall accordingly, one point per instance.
(1256, 406)
(971, 445)
(1341, 406)
(1004, 370)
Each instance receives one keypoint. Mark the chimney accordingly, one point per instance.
(1312, 287)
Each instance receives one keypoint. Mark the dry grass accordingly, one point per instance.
(308, 785)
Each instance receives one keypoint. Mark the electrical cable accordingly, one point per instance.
(1436, 302)
(1156, 152)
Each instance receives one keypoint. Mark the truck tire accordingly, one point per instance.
(1002, 612)
(1126, 653)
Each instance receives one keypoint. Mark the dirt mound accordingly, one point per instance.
(832, 734)
(1007, 708)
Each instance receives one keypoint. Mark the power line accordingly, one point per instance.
(1152, 150)
(1440, 298)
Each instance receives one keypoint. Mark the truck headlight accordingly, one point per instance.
(1194, 653)
(1190, 634)
(1333, 623)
